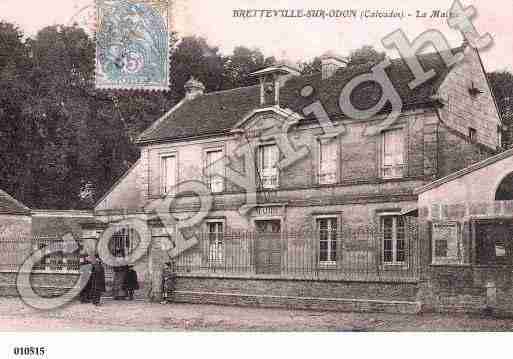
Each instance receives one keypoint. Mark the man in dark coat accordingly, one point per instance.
(85, 276)
(97, 281)
(131, 284)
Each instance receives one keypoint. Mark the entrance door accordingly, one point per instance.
(268, 246)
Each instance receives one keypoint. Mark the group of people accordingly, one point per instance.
(125, 281)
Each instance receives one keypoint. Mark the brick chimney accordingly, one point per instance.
(330, 63)
(193, 88)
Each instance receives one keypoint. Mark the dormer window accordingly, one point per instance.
(472, 135)
(393, 154)
(473, 90)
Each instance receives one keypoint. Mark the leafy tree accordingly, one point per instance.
(311, 67)
(365, 55)
(194, 57)
(240, 64)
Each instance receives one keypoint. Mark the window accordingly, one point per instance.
(393, 154)
(472, 134)
(446, 246)
(122, 243)
(327, 229)
(394, 243)
(441, 248)
(213, 167)
(168, 173)
(56, 261)
(215, 242)
(328, 159)
(499, 136)
(268, 157)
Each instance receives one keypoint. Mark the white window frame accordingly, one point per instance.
(335, 218)
(397, 170)
(219, 180)
(320, 175)
(216, 252)
(164, 190)
(394, 239)
(269, 177)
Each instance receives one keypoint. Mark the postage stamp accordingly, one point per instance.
(133, 44)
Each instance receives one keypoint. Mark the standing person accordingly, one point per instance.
(131, 282)
(119, 291)
(168, 282)
(85, 278)
(97, 281)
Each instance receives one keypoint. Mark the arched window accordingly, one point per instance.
(505, 189)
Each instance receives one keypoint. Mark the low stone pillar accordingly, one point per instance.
(491, 295)
(157, 257)
(91, 232)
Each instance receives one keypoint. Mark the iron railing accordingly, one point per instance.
(14, 252)
(354, 253)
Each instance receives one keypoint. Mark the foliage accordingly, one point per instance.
(365, 55)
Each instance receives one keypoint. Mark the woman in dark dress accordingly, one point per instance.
(131, 284)
(97, 281)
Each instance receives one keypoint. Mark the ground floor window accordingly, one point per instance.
(327, 231)
(394, 243)
(215, 242)
(56, 261)
(122, 242)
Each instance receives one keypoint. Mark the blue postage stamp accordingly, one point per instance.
(132, 44)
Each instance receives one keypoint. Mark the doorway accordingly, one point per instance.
(268, 250)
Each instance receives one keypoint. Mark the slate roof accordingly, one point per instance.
(217, 112)
(58, 227)
(8, 205)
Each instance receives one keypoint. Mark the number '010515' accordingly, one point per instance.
(29, 351)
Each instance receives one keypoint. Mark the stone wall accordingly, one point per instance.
(297, 294)
(463, 110)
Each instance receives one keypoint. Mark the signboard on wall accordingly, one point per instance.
(446, 243)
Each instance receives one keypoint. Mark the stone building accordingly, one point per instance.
(24, 231)
(325, 211)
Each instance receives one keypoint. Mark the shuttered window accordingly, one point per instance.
(213, 169)
(268, 157)
(168, 173)
(393, 154)
(328, 159)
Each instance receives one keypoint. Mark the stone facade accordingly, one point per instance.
(436, 143)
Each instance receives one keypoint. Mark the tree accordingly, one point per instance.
(311, 67)
(16, 129)
(194, 57)
(240, 64)
(365, 55)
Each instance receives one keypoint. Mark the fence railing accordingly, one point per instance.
(15, 251)
(350, 253)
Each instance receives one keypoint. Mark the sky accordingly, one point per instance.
(295, 39)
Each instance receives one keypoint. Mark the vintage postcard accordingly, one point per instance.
(255, 166)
